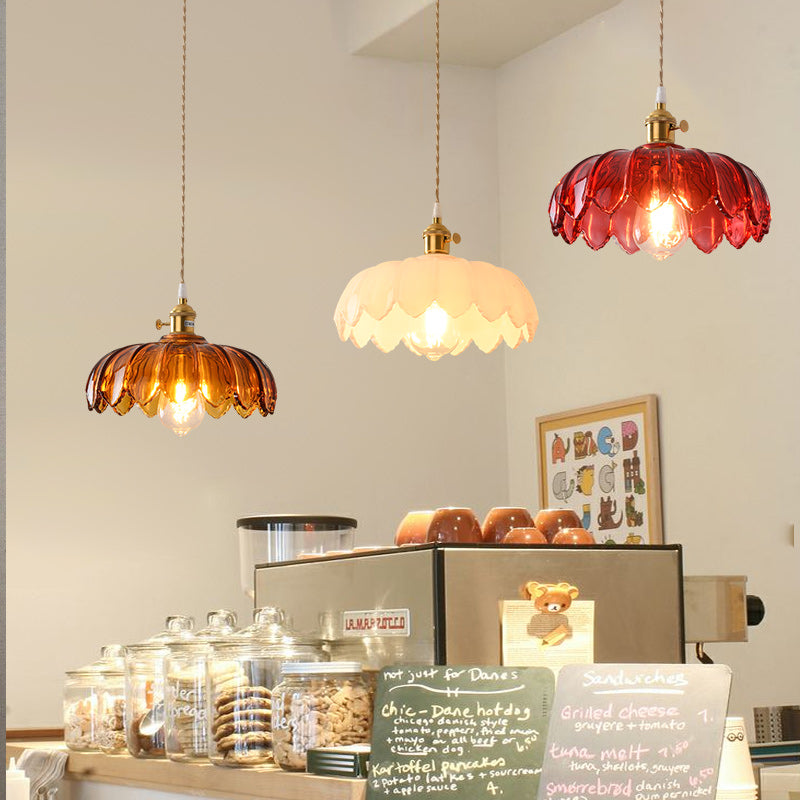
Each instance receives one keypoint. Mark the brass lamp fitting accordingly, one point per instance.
(437, 237)
(661, 125)
(181, 318)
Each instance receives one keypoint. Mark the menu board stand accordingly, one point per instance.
(478, 732)
(636, 731)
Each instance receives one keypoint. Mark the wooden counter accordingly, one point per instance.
(202, 780)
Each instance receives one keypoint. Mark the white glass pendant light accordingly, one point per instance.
(436, 303)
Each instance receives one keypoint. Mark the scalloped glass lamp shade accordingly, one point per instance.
(181, 377)
(436, 304)
(658, 195)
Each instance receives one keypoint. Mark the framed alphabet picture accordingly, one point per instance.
(603, 463)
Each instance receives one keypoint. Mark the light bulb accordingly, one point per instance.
(662, 231)
(182, 414)
(434, 335)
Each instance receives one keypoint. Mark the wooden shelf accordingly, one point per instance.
(203, 780)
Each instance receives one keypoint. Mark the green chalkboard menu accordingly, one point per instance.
(475, 731)
(636, 731)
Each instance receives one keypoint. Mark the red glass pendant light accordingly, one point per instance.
(182, 376)
(657, 196)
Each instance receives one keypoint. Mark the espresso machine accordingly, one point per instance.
(440, 603)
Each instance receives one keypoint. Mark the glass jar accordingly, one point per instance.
(91, 694)
(241, 675)
(80, 710)
(319, 705)
(185, 691)
(185, 702)
(144, 688)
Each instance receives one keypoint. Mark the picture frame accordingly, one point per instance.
(603, 463)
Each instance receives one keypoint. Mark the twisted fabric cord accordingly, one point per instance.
(183, 140)
(436, 37)
(661, 42)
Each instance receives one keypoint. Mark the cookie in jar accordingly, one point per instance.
(242, 673)
(240, 709)
(319, 705)
(186, 672)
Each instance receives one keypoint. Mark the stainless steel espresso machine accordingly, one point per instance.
(439, 603)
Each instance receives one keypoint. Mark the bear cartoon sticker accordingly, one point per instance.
(550, 600)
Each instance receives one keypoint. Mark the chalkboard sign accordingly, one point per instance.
(476, 731)
(636, 731)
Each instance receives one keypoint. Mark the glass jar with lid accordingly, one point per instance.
(92, 696)
(185, 691)
(80, 710)
(144, 687)
(242, 673)
(319, 705)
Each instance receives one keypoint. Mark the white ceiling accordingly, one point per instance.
(480, 33)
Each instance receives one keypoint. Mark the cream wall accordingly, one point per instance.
(305, 164)
(715, 337)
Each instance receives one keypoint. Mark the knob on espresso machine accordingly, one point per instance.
(755, 610)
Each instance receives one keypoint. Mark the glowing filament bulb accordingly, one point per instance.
(182, 414)
(435, 336)
(660, 231)
(436, 320)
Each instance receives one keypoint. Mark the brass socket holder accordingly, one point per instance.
(661, 125)
(437, 237)
(181, 318)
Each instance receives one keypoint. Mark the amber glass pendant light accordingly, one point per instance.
(436, 303)
(181, 377)
(657, 196)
